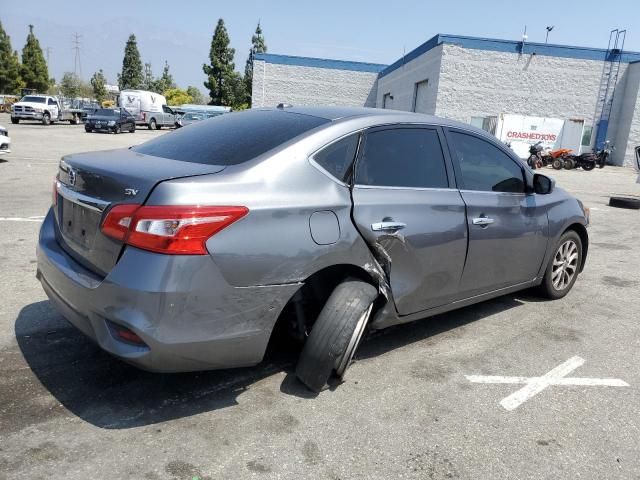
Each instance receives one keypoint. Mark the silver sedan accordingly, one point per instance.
(196, 249)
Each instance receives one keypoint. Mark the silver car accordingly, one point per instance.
(196, 249)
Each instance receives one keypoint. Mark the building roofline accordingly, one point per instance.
(320, 63)
(509, 46)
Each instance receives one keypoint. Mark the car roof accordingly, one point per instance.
(334, 113)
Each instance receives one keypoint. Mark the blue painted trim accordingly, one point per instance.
(509, 46)
(320, 63)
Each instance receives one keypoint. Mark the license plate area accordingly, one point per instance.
(78, 224)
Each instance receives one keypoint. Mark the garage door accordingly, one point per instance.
(420, 101)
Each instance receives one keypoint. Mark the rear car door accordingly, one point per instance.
(407, 209)
(507, 228)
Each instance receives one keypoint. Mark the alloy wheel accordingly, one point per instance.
(565, 265)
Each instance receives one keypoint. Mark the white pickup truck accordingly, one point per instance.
(43, 108)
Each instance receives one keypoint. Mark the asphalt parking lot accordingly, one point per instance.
(423, 401)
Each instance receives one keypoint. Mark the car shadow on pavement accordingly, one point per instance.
(109, 393)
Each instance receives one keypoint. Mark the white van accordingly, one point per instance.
(148, 108)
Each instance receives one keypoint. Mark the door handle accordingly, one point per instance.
(387, 226)
(483, 221)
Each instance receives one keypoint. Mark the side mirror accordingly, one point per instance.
(542, 184)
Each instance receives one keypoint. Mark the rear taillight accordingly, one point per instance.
(177, 230)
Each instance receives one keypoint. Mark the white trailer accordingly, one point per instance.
(149, 108)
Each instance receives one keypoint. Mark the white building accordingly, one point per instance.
(474, 80)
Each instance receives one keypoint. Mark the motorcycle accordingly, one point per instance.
(589, 161)
(535, 159)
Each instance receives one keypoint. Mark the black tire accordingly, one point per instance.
(569, 164)
(88, 130)
(332, 341)
(15, 120)
(558, 164)
(152, 124)
(625, 202)
(46, 119)
(547, 288)
(132, 129)
(531, 161)
(117, 129)
(158, 126)
(588, 166)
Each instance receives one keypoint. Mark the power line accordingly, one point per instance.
(77, 67)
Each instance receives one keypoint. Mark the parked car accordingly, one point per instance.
(195, 249)
(115, 120)
(188, 118)
(5, 141)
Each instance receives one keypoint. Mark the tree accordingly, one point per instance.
(165, 82)
(239, 92)
(131, 76)
(70, 85)
(34, 71)
(10, 81)
(176, 96)
(99, 85)
(220, 71)
(196, 96)
(258, 45)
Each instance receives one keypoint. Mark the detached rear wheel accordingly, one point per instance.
(563, 268)
(335, 336)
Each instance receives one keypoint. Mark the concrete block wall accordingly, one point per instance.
(305, 85)
(401, 83)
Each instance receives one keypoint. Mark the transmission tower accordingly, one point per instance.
(48, 50)
(77, 67)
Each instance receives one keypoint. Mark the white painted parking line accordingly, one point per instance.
(36, 218)
(535, 385)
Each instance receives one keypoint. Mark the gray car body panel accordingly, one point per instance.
(217, 311)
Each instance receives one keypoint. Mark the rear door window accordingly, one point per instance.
(338, 157)
(231, 139)
(402, 157)
(485, 167)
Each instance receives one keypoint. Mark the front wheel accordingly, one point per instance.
(335, 336)
(569, 164)
(558, 164)
(15, 120)
(563, 268)
(46, 119)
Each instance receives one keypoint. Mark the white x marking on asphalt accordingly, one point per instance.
(534, 385)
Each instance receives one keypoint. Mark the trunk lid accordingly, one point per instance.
(90, 183)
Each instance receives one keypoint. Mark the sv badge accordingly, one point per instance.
(132, 192)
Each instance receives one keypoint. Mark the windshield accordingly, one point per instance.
(107, 112)
(31, 99)
(231, 139)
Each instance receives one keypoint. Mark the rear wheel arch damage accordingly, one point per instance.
(303, 308)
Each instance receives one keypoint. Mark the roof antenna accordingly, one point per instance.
(524, 39)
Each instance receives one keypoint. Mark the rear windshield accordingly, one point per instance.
(34, 99)
(230, 139)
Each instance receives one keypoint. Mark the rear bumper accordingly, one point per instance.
(189, 317)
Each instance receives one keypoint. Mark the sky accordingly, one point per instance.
(370, 31)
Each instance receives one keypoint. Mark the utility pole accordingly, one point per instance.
(549, 28)
(77, 67)
(48, 50)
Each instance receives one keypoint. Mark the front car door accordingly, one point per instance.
(507, 226)
(407, 209)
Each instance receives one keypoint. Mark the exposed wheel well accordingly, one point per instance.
(584, 238)
(302, 309)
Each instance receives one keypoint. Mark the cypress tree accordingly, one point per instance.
(10, 81)
(258, 45)
(221, 77)
(34, 71)
(131, 76)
